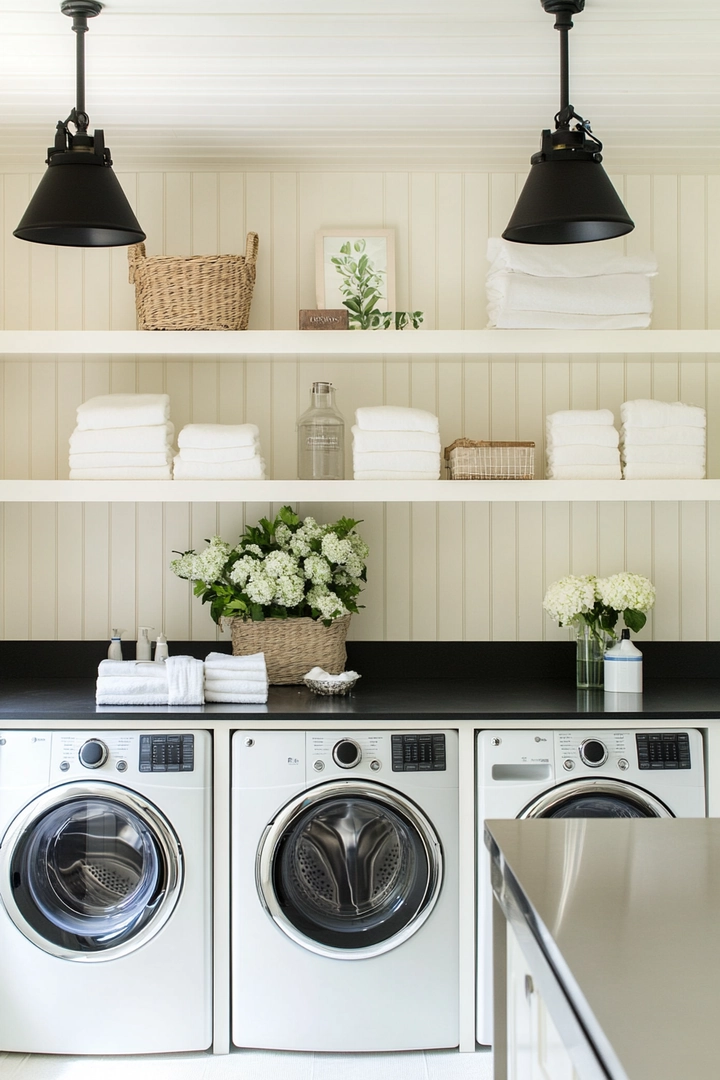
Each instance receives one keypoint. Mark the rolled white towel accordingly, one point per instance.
(252, 469)
(236, 686)
(120, 686)
(562, 320)
(240, 665)
(633, 435)
(576, 435)
(123, 410)
(236, 698)
(611, 294)
(395, 418)
(645, 412)
(230, 453)
(398, 460)
(131, 669)
(123, 472)
(579, 418)
(393, 474)
(185, 680)
(567, 260)
(585, 472)
(668, 455)
(214, 436)
(584, 455)
(373, 441)
(647, 470)
(135, 440)
(117, 459)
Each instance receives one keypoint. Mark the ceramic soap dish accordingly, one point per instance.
(322, 682)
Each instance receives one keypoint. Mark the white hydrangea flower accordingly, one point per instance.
(290, 590)
(354, 565)
(569, 598)
(328, 604)
(282, 535)
(278, 563)
(335, 549)
(242, 570)
(261, 588)
(185, 566)
(300, 544)
(208, 566)
(360, 548)
(317, 570)
(623, 592)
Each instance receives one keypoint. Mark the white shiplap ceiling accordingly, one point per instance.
(240, 83)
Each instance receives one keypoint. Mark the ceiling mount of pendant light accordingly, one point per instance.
(568, 197)
(79, 201)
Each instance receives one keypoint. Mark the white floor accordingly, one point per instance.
(252, 1065)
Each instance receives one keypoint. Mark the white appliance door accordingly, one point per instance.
(591, 798)
(349, 869)
(90, 871)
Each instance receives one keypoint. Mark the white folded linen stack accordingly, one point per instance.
(394, 443)
(122, 437)
(567, 286)
(131, 682)
(582, 444)
(662, 440)
(219, 452)
(239, 679)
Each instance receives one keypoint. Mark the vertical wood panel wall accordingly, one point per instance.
(445, 571)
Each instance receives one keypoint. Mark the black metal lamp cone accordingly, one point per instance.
(79, 201)
(568, 197)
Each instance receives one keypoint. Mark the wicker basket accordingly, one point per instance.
(292, 646)
(202, 292)
(470, 460)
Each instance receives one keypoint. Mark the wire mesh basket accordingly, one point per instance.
(469, 459)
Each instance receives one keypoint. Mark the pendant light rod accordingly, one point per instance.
(563, 10)
(80, 11)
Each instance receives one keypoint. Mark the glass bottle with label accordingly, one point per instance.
(321, 437)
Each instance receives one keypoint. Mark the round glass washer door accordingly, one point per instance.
(90, 871)
(600, 798)
(349, 869)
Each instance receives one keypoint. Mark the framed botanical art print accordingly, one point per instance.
(355, 269)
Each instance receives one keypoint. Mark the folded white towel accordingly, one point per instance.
(670, 455)
(374, 441)
(107, 698)
(123, 472)
(399, 460)
(236, 686)
(580, 418)
(185, 680)
(567, 260)
(563, 320)
(584, 455)
(393, 474)
(645, 412)
(119, 685)
(213, 436)
(237, 698)
(585, 472)
(395, 418)
(131, 669)
(647, 470)
(680, 435)
(116, 459)
(216, 674)
(135, 440)
(576, 435)
(229, 453)
(612, 294)
(253, 469)
(240, 665)
(123, 410)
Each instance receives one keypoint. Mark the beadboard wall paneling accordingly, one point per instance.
(450, 571)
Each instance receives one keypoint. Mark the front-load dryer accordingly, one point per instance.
(105, 871)
(345, 890)
(580, 773)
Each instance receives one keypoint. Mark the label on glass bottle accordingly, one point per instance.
(322, 442)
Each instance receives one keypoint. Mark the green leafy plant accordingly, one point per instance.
(361, 285)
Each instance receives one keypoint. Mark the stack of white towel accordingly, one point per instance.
(239, 679)
(662, 440)
(122, 437)
(176, 681)
(219, 452)
(394, 443)
(568, 286)
(582, 444)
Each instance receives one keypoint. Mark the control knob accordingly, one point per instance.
(93, 754)
(593, 753)
(347, 754)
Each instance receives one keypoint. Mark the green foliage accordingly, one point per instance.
(361, 285)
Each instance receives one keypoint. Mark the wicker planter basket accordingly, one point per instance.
(292, 646)
(202, 292)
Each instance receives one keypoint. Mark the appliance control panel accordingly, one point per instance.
(663, 750)
(167, 753)
(418, 753)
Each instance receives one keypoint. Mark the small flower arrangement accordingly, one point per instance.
(600, 602)
(281, 569)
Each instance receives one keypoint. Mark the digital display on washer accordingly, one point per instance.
(167, 753)
(418, 753)
(664, 750)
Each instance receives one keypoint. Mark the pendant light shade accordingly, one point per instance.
(79, 201)
(568, 197)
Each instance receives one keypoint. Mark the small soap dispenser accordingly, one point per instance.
(143, 650)
(115, 649)
(623, 667)
(161, 649)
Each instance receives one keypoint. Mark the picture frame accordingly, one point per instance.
(362, 277)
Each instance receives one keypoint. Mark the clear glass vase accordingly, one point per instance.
(321, 437)
(590, 644)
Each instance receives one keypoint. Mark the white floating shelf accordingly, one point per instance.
(359, 491)
(345, 345)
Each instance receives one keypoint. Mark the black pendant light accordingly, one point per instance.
(568, 197)
(79, 201)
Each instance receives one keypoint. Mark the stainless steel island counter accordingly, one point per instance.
(617, 924)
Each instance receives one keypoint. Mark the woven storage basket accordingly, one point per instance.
(470, 460)
(201, 292)
(292, 646)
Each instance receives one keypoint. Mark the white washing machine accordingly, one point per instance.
(581, 773)
(105, 890)
(345, 890)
